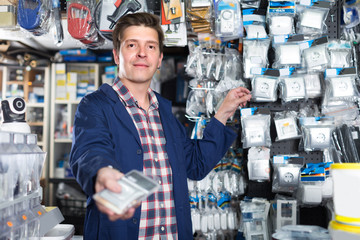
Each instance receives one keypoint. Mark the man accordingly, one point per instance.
(128, 126)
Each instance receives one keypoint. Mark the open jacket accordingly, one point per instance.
(104, 134)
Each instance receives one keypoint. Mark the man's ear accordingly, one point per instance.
(160, 59)
(116, 57)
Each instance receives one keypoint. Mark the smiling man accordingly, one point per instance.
(128, 126)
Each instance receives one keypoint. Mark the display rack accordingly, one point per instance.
(34, 86)
(291, 146)
(22, 215)
(63, 109)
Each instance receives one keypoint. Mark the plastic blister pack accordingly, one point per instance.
(292, 88)
(281, 25)
(340, 52)
(346, 142)
(254, 216)
(81, 24)
(196, 103)
(255, 55)
(313, 85)
(302, 232)
(252, 210)
(259, 164)
(232, 71)
(316, 133)
(342, 111)
(286, 177)
(254, 23)
(199, 127)
(135, 187)
(316, 57)
(286, 125)
(287, 55)
(340, 58)
(284, 211)
(312, 18)
(198, 14)
(280, 17)
(250, 4)
(341, 87)
(228, 25)
(264, 88)
(34, 16)
(109, 12)
(255, 130)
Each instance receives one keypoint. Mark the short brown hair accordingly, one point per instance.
(137, 19)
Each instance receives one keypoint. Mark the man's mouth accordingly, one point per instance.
(141, 65)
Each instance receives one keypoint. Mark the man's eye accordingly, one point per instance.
(132, 45)
(152, 47)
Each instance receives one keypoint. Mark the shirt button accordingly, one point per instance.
(156, 159)
(160, 182)
(161, 205)
(138, 152)
(134, 220)
(162, 228)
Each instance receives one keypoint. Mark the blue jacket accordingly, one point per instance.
(104, 134)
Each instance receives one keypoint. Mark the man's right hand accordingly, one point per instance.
(107, 178)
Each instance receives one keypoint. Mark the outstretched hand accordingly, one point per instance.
(107, 178)
(237, 97)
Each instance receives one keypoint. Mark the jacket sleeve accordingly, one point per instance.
(202, 155)
(92, 146)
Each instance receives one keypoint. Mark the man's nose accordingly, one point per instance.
(142, 51)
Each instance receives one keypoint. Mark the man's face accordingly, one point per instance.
(139, 54)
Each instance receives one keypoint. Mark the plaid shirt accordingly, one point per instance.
(157, 219)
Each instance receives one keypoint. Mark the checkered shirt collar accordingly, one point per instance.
(128, 99)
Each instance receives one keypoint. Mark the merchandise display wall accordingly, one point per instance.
(261, 184)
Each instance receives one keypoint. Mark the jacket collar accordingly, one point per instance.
(122, 114)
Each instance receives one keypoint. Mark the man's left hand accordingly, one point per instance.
(237, 97)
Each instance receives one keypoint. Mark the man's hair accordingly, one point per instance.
(137, 19)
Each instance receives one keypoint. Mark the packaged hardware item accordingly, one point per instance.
(254, 23)
(286, 177)
(340, 54)
(259, 164)
(292, 88)
(34, 16)
(135, 188)
(341, 84)
(264, 84)
(280, 17)
(228, 15)
(317, 132)
(312, 16)
(312, 85)
(288, 50)
(286, 125)
(255, 55)
(255, 128)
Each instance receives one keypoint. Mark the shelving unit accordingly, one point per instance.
(34, 86)
(63, 108)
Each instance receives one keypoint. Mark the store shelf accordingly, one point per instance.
(68, 79)
(15, 82)
(67, 102)
(35, 89)
(36, 105)
(64, 180)
(35, 124)
(63, 140)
